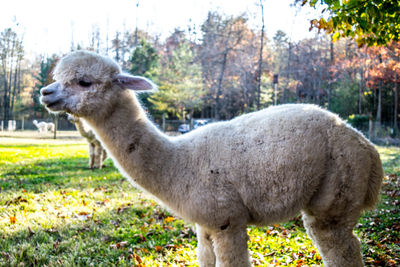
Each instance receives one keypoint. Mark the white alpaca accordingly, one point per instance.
(97, 154)
(260, 168)
(43, 127)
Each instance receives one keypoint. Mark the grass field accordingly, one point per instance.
(54, 211)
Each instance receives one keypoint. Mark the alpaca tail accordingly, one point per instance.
(374, 182)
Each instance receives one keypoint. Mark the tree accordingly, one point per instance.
(259, 71)
(221, 38)
(384, 75)
(11, 55)
(180, 89)
(371, 22)
(43, 78)
(144, 60)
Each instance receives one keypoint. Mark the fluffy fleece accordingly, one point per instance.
(260, 168)
(43, 127)
(97, 154)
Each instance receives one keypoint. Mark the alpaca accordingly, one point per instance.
(97, 154)
(260, 168)
(43, 127)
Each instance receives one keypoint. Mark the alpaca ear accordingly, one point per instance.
(135, 83)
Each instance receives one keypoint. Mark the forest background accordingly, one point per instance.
(225, 67)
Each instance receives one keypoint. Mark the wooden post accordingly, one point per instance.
(371, 128)
(55, 126)
(163, 122)
(275, 82)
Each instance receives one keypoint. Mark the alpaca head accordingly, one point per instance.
(88, 84)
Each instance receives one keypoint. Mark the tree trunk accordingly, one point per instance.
(379, 109)
(396, 105)
(260, 58)
(5, 96)
(332, 61)
(360, 91)
(14, 93)
(219, 86)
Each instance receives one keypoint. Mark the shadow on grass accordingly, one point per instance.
(107, 238)
(55, 174)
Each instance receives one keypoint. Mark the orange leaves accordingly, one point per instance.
(137, 258)
(169, 219)
(321, 24)
(13, 220)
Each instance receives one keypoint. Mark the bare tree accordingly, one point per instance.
(261, 56)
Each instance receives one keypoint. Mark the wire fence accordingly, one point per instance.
(378, 133)
(64, 125)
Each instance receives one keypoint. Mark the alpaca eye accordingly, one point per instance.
(85, 83)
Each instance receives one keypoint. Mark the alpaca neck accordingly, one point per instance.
(137, 146)
(81, 129)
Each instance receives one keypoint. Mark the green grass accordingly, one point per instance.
(54, 211)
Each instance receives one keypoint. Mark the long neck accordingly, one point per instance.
(81, 129)
(140, 150)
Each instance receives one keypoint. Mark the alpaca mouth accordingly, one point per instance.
(53, 104)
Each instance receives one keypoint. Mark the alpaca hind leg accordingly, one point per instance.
(230, 246)
(103, 156)
(335, 240)
(91, 156)
(205, 251)
(98, 154)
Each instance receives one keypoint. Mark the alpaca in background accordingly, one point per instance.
(44, 127)
(97, 154)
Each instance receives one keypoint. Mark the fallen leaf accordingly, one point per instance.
(369, 260)
(13, 219)
(56, 244)
(145, 250)
(119, 244)
(122, 244)
(137, 258)
(83, 216)
(158, 248)
(169, 219)
(31, 232)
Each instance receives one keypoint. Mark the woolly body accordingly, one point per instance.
(259, 168)
(97, 154)
(43, 127)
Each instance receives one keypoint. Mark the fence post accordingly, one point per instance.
(11, 125)
(370, 129)
(191, 124)
(163, 122)
(55, 126)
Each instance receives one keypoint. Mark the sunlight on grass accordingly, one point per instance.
(55, 211)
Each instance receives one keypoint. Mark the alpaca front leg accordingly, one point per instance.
(205, 251)
(230, 246)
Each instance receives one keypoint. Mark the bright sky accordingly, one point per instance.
(48, 24)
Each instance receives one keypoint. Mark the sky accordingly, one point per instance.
(49, 26)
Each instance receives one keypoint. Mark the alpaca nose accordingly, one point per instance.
(51, 88)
